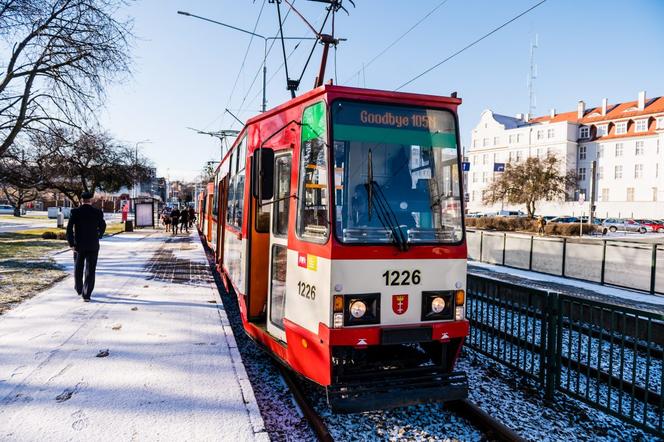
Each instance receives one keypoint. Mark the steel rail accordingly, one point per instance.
(315, 421)
(491, 427)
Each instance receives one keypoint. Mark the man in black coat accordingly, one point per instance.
(86, 226)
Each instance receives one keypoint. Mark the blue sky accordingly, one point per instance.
(184, 69)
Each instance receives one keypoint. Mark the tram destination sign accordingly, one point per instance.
(393, 117)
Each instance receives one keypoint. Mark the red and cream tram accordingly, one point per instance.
(336, 218)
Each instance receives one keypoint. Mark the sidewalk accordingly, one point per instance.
(569, 286)
(172, 372)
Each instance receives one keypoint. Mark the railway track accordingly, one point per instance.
(493, 429)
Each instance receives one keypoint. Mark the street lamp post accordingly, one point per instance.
(265, 40)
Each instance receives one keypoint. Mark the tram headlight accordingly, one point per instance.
(437, 305)
(361, 309)
(357, 309)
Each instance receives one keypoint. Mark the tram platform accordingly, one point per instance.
(152, 357)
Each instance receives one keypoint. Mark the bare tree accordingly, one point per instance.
(62, 55)
(529, 182)
(74, 162)
(19, 178)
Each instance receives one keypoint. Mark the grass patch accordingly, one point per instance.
(12, 217)
(26, 266)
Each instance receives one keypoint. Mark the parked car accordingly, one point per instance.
(626, 225)
(548, 218)
(565, 219)
(6, 209)
(657, 225)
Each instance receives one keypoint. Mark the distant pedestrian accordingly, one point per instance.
(541, 223)
(192, 216)
(166, 218)
(175, 220)
(184, 220)
(85, 228)
(125, 212)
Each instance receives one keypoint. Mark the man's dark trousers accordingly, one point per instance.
(84, 271)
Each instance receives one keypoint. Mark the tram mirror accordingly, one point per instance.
(262, 172)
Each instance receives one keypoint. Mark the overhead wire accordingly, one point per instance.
(246, 53)
(397, 40)
(470, 45)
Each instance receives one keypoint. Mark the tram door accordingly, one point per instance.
(279, 245)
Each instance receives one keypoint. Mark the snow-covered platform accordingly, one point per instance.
(172, 369)
(583, 289)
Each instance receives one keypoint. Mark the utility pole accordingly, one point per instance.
(531, 78)
(593, 191)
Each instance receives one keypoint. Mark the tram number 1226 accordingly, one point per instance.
(306, 290)
(404, 277)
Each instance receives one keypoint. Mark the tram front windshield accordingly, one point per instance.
(396, 174)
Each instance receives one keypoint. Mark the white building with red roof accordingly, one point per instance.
(625, 139)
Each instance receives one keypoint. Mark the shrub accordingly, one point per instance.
(570, 229)
(503, 224)
(49, 235)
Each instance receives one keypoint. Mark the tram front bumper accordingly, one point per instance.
(396, 388)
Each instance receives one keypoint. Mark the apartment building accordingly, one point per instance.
(625, 139)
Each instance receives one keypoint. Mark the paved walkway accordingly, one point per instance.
(172, 372)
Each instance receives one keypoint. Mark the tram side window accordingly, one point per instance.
(236, 185)
(231, 201)
(312, 216)
(282, 193)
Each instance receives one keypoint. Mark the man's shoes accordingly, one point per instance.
(86, 299)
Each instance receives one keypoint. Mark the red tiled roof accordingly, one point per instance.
(614, 112)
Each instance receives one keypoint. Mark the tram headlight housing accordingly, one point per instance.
(361, 309)
(438, 305)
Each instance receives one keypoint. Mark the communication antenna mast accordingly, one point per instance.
(532, 102)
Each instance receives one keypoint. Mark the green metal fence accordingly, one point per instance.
(608, 356)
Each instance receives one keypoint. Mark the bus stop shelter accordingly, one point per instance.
(145, 211)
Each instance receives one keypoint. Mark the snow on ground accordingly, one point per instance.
(171, 372)
(590, 290)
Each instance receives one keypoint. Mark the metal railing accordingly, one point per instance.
(617, 263)
(610, 357)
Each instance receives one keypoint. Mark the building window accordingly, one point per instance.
(600, 151)
(539, 153)
(485, 177)
(654, 193)
(621, 127)
(474, 143)
(485, 142)
(605, 195)
(660, 122)
(550, 133)
(582, 173)
(638, 171)
(496, 158)
(582, 152)
(582, 192)
(485, 159)
(518, 155)
(657, 170)
(600, 172)
(496, 140)
(602, 130)
(630, 194)
(584, 132)
(639, 148)
(641, 125)
(518, 138)
(474, 177)
(511, 139)
(472, 196)
(618, 172)
(540, 134)
(619, 149)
